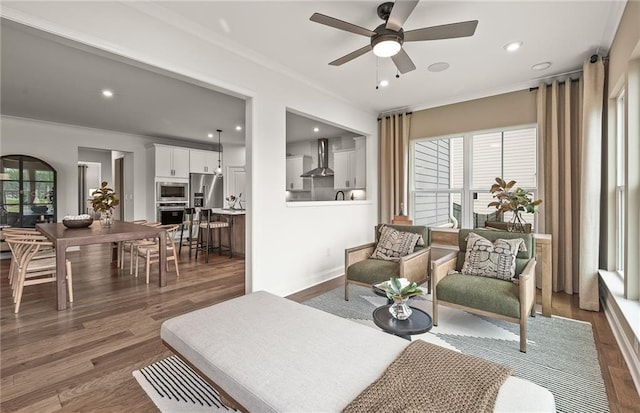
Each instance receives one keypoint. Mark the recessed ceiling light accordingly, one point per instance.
(238, 127)
(513, 46)
(107, 93)
(541, 66)
(438, 67)
(316, 129)
(384, 83)
(209, 135)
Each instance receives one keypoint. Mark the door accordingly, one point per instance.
(236, 183)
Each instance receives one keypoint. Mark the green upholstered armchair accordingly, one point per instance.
(491, 297)
(362, 270)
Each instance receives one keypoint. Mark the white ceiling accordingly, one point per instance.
(280, 34)
(46, 78)
(49, 80)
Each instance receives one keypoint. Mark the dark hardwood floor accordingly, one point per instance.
(81, 359)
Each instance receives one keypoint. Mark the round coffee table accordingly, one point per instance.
(419, 322)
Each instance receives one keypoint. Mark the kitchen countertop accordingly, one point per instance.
(225, 211)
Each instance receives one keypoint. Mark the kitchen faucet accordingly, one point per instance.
(339, 192)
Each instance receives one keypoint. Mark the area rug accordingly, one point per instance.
(175, 388)
(561, 354)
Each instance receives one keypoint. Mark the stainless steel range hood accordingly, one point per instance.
(323, 161)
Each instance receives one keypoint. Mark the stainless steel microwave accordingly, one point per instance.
(172, 191)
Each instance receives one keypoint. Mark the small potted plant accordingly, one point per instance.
(400, 290)
(103, 201)
(510, 198)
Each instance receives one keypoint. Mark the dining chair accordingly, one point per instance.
(151, 252)
(32, 271)
(130, 246)
(123, 245)
(44, 252)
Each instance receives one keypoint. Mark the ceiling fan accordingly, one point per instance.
(386, 40)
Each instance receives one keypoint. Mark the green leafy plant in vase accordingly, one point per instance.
(104, 200)
(400, 290)
(510, 198)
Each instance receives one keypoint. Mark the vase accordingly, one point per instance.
(105, 218)
(518, 224)
(400, 308)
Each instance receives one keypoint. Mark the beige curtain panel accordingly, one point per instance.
(570, 131)
(393, 165)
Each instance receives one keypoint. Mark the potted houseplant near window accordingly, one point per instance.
(515, 199)
(103, 201)
(400, 290)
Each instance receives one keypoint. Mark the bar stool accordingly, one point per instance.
(205, 226)
(188, 221)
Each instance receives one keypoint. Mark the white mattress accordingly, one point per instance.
(274, 355)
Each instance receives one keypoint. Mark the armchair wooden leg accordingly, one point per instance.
(346, 290)
(523, 335)
(434, 309)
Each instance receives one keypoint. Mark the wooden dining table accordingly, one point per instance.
(63, 238)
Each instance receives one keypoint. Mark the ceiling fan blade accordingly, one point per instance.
(400, 13)
(403, 62)
(346, 58)
(339, 24)
(446, 31)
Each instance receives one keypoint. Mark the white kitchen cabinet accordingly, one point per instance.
(202, 162)
(296, 166)
(349, 167)
(360, 159)
(171, 162)
(343, 169)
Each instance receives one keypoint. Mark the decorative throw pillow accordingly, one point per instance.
(494, 260)
(420, 242)
(394, 244)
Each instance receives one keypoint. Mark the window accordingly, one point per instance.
(620, 184)
(437, 181)
(452, 175)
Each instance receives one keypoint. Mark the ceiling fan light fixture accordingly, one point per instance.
(386, 47)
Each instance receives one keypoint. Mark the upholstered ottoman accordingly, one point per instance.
(270, 354)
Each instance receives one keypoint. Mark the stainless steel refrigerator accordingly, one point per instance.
(205, 191)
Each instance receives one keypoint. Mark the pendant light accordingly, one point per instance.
(219, 168)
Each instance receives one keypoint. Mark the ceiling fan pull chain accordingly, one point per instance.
(377, 77)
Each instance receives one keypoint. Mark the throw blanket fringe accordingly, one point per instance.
(430, 378)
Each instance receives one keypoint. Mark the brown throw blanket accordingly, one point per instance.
(430, 378)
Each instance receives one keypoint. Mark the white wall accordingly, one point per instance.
(101, 157)
(58, 145)
(289, 248)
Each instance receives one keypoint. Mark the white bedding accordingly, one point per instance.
(274, 355)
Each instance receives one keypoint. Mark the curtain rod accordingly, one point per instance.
(388, 116)
(592, 59)
(531, 89)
